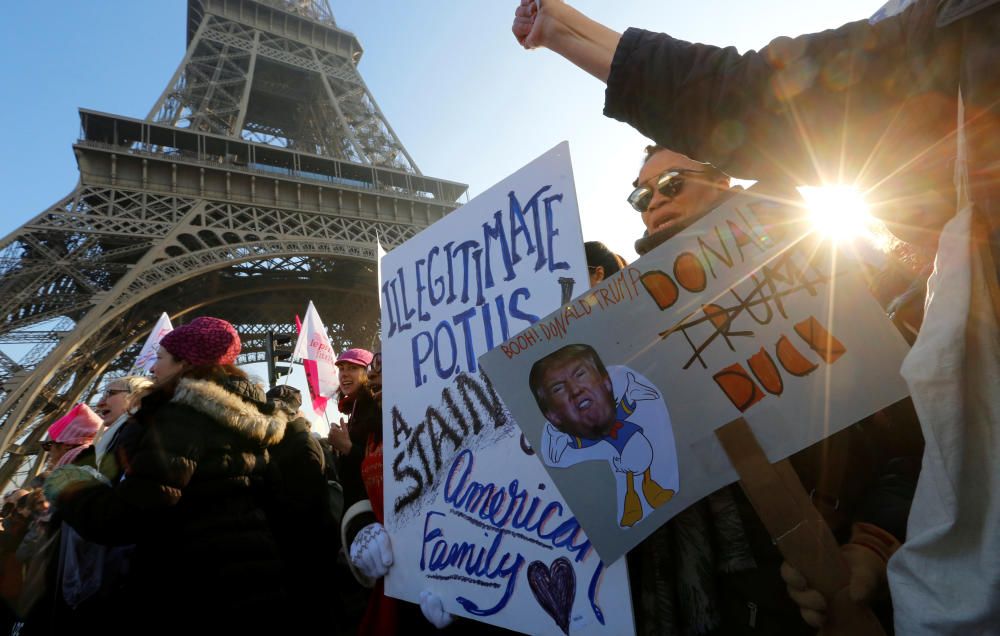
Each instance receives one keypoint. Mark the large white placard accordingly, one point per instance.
(472, 514)
(620, 390)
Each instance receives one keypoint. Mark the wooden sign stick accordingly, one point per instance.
(797, 528)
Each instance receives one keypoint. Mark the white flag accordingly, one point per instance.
(379, 253)
(147, 357)
(314, 346)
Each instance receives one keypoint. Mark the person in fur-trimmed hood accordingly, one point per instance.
(195, 460)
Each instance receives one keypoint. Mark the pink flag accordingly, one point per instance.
(314, 349)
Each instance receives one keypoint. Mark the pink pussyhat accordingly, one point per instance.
(82, 429)
(360, 357)
(79, 431)
(58, 426)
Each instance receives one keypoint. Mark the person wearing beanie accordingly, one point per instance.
(352, 368)
(73, 438)
(196, 467)
(358, 439)
(203, 342)
(84, 567)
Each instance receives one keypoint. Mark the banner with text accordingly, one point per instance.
(147, 356)
(620, 390)
(471, 512)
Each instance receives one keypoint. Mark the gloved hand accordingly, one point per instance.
(69, 478)
(811, 603)
(433, 608)
(371, 551)
(866, 556)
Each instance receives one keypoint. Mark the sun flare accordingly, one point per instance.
(838, 212)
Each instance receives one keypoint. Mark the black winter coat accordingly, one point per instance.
(365, 419)
(204, 554)
(298, 508)
(871, 104)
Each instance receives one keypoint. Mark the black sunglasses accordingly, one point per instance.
(375, 366)
(669, 184)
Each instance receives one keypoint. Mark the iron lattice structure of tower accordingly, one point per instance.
(259, 180)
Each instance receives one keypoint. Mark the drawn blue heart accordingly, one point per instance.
(554, 588)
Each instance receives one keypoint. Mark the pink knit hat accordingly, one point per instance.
(360, 357)
(204, 341)
(82, 429)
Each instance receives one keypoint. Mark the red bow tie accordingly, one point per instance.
(614, 430)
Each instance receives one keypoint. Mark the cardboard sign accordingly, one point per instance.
(621, 389)
(472, 514)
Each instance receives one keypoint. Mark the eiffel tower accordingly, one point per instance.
(259, 180)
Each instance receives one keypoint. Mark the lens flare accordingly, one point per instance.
(837, 212)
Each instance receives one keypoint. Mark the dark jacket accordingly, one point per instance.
(204, 554)
(872, 104)
(298, 509)
(365, 419)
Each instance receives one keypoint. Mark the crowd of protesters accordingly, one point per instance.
(906, 107)
(198, 501)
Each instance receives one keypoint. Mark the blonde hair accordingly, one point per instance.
(134, 383)
(137, 385)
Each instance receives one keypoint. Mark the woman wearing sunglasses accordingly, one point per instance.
(116, 404)
(672, 192)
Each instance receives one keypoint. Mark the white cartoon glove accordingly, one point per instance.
(371, 551)
(433, 608)
(556, 444)
(635, 391)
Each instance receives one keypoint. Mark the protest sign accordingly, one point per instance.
(621, 389)
(471, 512)
(147, 355)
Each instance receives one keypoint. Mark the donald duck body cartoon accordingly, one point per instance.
(585, 422)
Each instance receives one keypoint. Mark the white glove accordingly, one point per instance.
(433, 608)
(555, 442)
(371, 551)
(636, 391)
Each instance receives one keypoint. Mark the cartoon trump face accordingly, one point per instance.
(574, 393)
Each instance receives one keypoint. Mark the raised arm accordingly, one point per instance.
(564, 30)
(853, 103)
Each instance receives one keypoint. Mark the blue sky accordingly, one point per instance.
(468, 103)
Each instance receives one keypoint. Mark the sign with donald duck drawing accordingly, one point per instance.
(620, 390)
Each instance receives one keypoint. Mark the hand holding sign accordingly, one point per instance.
(371, 551)
(433, 610)
(866, 561)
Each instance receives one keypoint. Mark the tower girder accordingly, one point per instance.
(259, 180)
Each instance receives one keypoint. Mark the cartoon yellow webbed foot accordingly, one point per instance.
(632, 512)
(655, 494)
